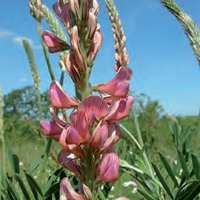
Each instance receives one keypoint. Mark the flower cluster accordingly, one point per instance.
(87, 138)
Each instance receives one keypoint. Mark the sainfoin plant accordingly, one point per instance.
(87, 128)
(88, 138)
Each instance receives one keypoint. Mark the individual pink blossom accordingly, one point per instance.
(109, 166)
(51, 129)
(73, 148)
(92, 24)
(94, 107)
(99, 135)
(76, 49)
(74, 6)
(118, 86)
(68, 161)
(54, 43)
(94, 7)
(119, 108)
(59, 98)
(68, 191)
(72, 68)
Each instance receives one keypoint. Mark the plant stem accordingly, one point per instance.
(39, 102)
(46, 155)
(48, 140)
(139, 136)
(39, 27)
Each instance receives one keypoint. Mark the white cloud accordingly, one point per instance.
(23, 80)
(18, 40)
(6, 33)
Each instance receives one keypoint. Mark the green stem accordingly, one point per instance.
(39, 102)
(46, 155)
(48, 140)
(46, 55)
(89, 169)
(101, 195)
(139, 136)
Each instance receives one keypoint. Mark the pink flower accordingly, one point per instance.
(63, 10)
(76, 49)
(67, 160)
(59, 98)
(72, 68)
(118, 86)
(54, 43)
(122, 198)
(51, 129)
(109, 166)
(68, 191)
(99, 135)
(119, 108)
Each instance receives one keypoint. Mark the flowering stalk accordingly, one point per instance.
(88, 139)
(122, 60)
(2, 135)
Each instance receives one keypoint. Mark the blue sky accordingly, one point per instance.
(161, 58)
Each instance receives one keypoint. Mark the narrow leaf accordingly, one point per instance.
(145, 195)
(22, 186)
(196, 166)
(183, 165)
(164, 184)
(168, 168)
(33, 184)
(14, 161)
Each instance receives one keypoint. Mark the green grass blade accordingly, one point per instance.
(196, 166)
(169, 169)
(183, 165)
(161, 179)
(145, 195)
(22, 186)
(35, 188)
(14, 161)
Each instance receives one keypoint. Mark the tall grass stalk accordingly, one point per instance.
(2, 136)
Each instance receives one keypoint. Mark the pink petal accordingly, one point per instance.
(69, 147)
(79, 122)
(59, 98)
(68, 191)
(92, 24)
(53, 43)
(72, 69)
(67, 160)
(50, 128)
(94, 106)
(73, 136)
(56, 118)
(109, 166)
(118, 86)
(100, 135)
(120, 108)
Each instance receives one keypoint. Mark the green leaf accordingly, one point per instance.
(36, 164)
(22, 186)
(54, 188)
(189, 191)
(161, 179)
(33, 185)
(14, 161)
(145, 195)
(12, 190)
(183, 165)
(168, 168)
(196, 166)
